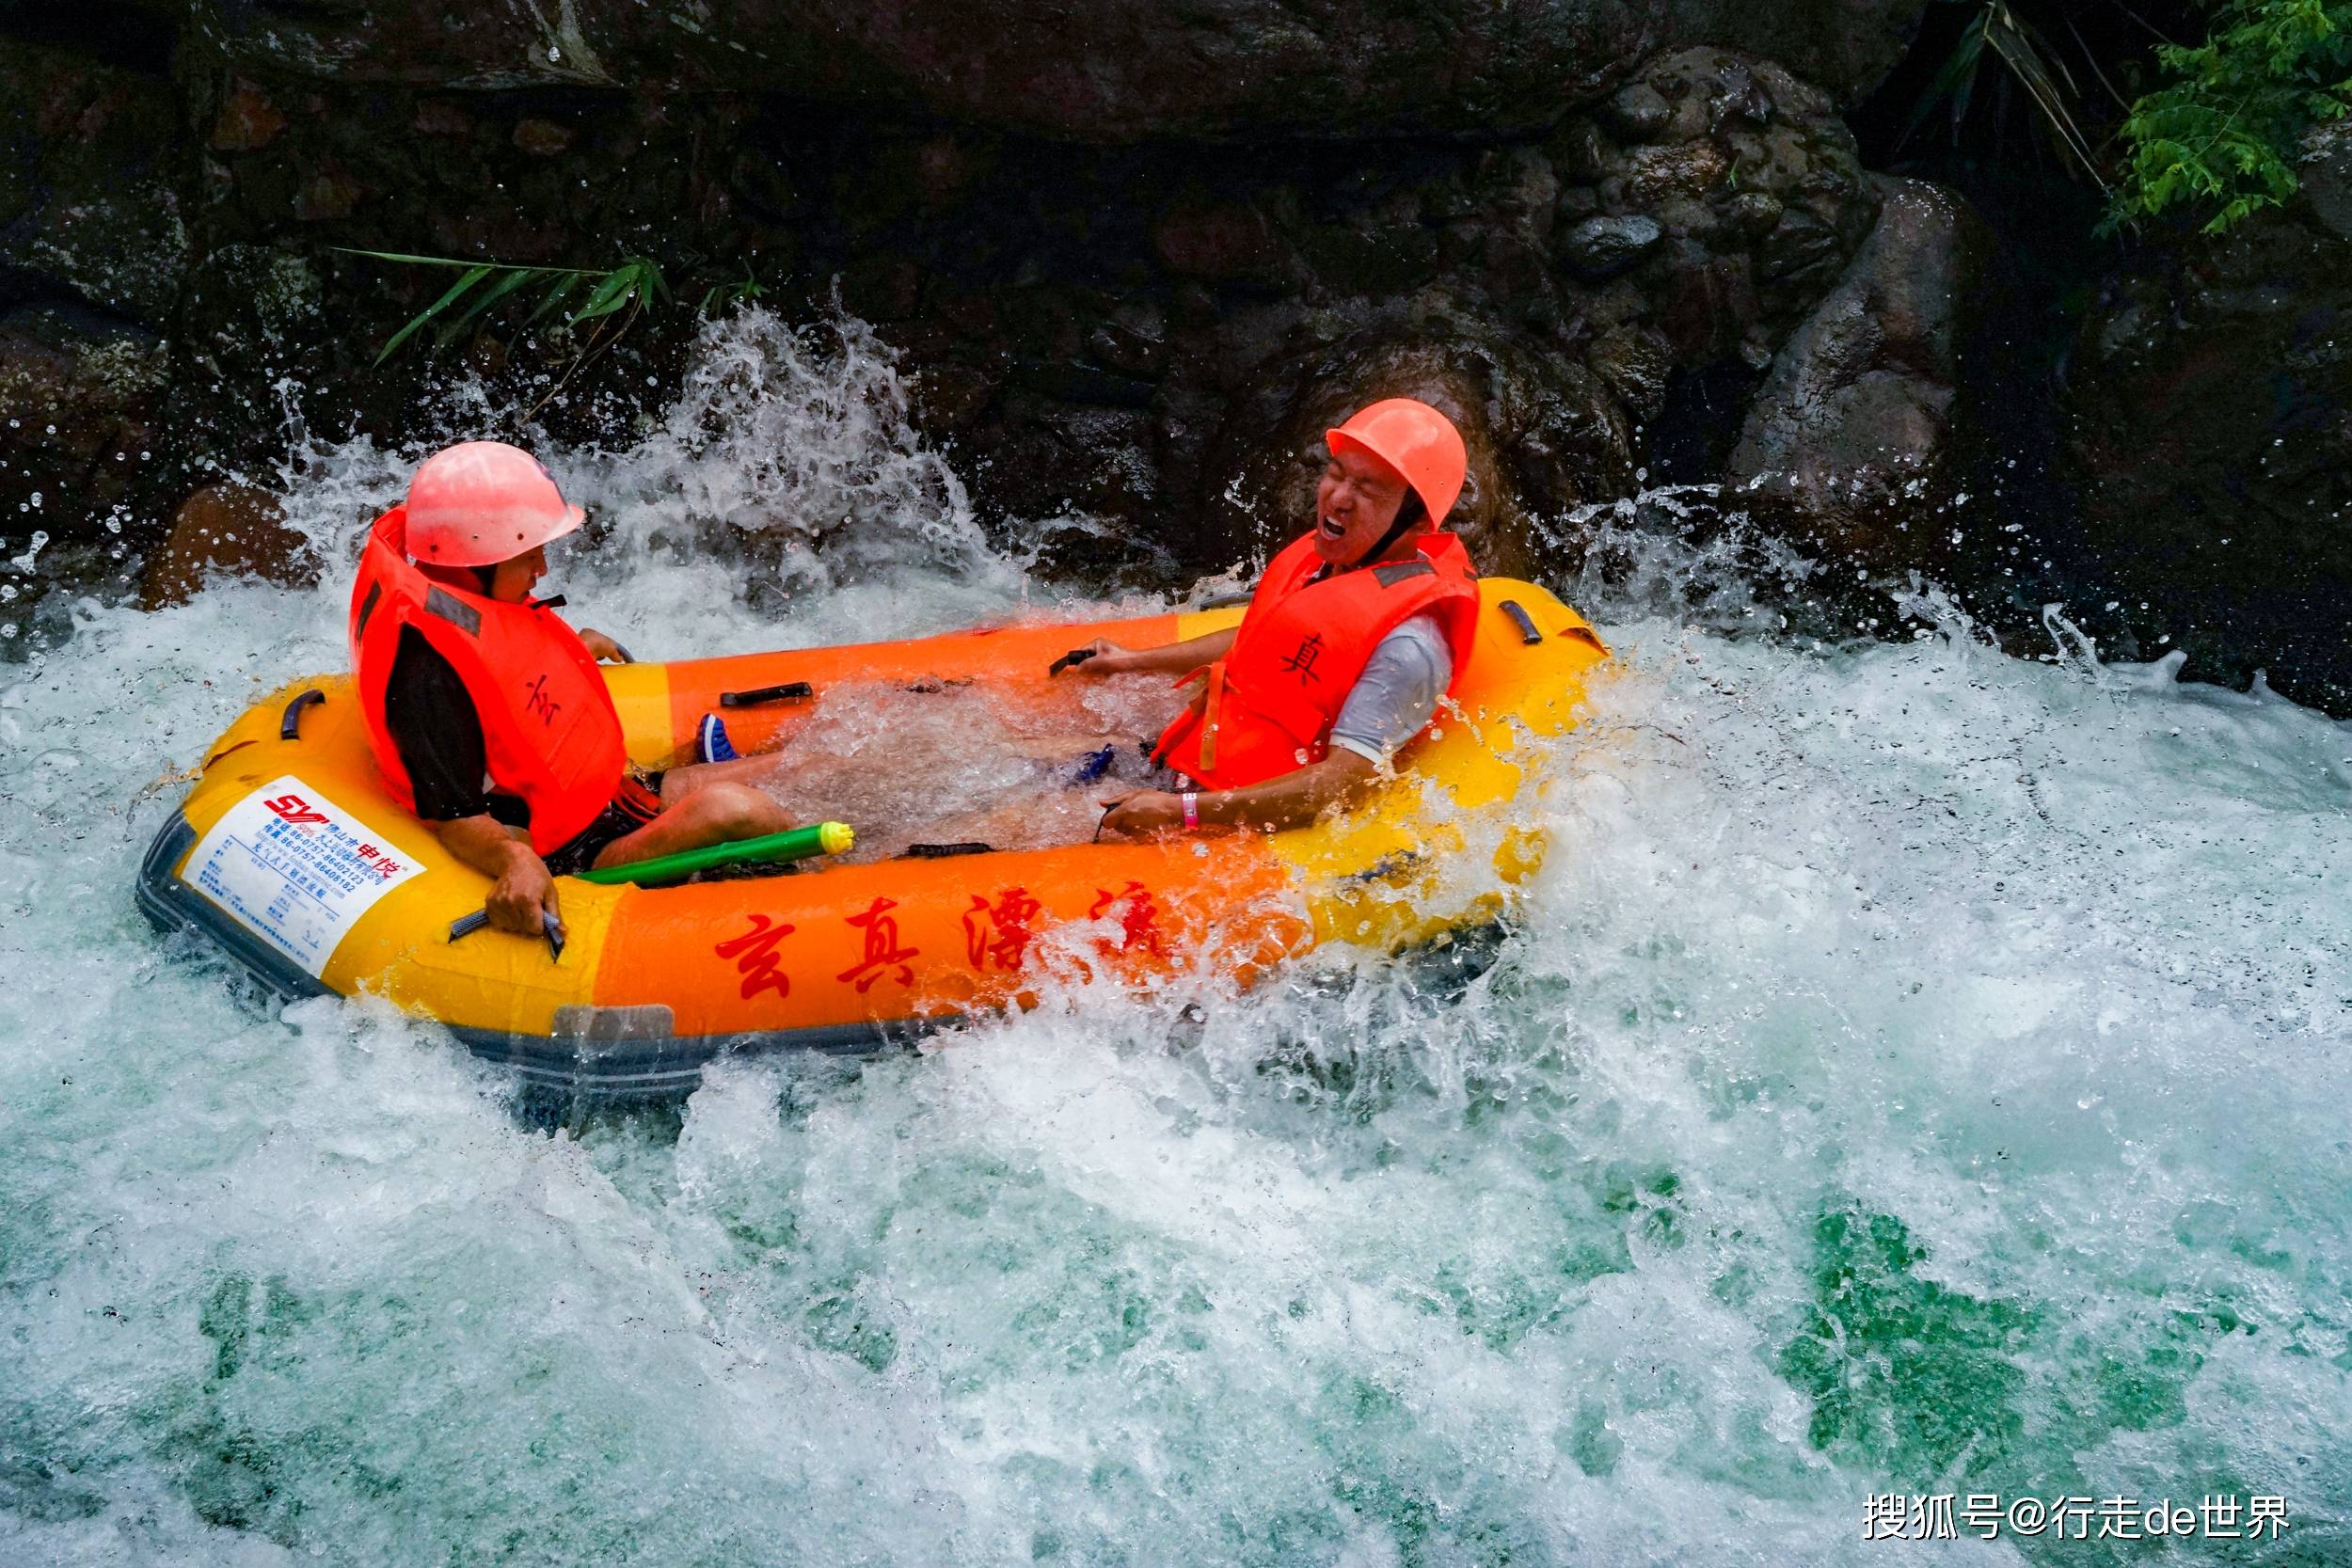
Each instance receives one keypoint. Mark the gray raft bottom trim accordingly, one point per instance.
(666, 1065)
(596, 1053)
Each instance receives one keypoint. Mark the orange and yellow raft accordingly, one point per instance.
(290, 855)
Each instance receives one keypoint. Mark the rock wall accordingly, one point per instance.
(1152, 331)
(93, 251)
(1139, 255)
(1100, 70)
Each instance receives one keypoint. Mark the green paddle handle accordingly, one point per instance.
(820, 838)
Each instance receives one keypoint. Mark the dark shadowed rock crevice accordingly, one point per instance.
(2211, 429)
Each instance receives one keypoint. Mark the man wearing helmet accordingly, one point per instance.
(1355, 632)
(486, 712)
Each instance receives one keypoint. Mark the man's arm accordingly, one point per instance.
(1293, 800)
(438, 737)
(1169, 659)
(520, 883)
(1393, 700)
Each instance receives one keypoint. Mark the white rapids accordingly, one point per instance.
(1916, 1071)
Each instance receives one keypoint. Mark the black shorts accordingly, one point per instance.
(1160, 776)
(637, 802)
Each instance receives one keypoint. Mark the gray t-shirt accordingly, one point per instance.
(1398, 692)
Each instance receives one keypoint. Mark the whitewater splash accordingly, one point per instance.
(1916, 1071)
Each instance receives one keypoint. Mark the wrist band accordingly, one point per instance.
(1191, 800)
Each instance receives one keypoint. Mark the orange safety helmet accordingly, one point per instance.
(481, 502)
(1417, 441)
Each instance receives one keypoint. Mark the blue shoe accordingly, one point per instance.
(710, 741)
(1093, 765)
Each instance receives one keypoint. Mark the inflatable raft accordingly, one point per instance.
(290, 856)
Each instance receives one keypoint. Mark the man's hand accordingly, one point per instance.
(1291, 800)
(1172, 658)
(1103, 659)
(604, 648)
(521, 886)
(522, 892)
(1146, 813)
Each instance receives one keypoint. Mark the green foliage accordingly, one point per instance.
(2222, 135)
(612, 297)
(744, 292)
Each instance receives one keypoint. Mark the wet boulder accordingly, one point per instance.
(1850, 439)
(1602, 248)
(227, 530)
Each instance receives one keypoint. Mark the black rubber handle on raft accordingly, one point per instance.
(466, 924)
(944, 851)
(790, 691)
(1527, 634)
(290, 723)
(1069, 660)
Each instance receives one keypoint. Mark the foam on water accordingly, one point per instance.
(1915, 1069)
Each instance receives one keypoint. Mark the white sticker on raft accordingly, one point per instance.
(295, 869)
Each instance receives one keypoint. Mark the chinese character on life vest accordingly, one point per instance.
(1302, 659)
(881, 947)
(1000, 934)
(537, 701)
(1139, 920)
(754, 956)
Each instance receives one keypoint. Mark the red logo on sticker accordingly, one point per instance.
(294, 809)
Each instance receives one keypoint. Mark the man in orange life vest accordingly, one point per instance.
(486, 712)
(1354, 633)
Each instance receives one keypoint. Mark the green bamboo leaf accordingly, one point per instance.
(514, 279)
(474, 275)
(656, 286)
(555, 293)
(414, 260)
(610, 295)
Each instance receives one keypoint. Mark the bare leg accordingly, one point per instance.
(715, 813)
(691, 777)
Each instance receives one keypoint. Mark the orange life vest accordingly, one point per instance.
(549, 732)
(1268, 705)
